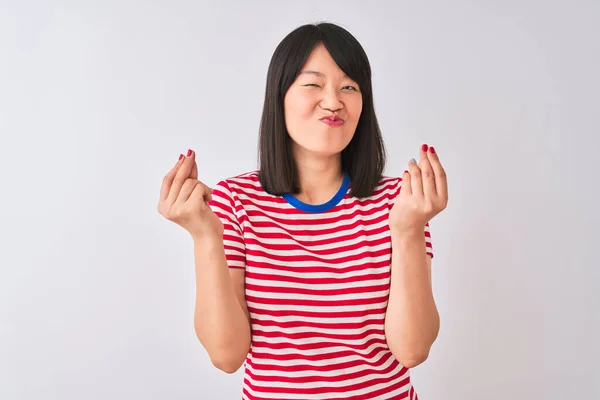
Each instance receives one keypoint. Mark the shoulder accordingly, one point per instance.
(226, 193)
(387, 189)
(238, 185)
(387, 182)
(388, 185)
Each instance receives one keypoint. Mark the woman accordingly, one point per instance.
(315, 270)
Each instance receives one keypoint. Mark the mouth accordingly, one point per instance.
(332, 120)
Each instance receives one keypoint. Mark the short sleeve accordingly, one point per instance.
(223, 205)
(395, 187)
(428, 243)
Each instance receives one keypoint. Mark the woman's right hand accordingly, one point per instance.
(184, 200)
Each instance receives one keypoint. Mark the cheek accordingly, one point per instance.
(298, 109)
(355, 109)
(304, 106)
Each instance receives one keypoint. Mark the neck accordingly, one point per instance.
(320, 178)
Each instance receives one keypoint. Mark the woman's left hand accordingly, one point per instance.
(423, 195)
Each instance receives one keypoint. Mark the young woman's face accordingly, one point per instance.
(322, 90)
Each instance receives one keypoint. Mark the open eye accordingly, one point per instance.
(351, 88)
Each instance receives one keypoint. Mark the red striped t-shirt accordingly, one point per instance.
(317, 286)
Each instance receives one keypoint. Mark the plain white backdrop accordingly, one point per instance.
(98, 98)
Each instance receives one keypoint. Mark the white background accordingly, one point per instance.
(97, 100)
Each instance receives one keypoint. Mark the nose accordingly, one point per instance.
(331, 100)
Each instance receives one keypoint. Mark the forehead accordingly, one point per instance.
(320, 63)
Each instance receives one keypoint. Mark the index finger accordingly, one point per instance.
(427, 172)
(182, 174)
(194, 173)
(168, 179)
(441, 182)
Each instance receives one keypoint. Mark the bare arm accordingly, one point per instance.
(221, 316)
(412, 321)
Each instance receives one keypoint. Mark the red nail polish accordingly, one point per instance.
(405, 171)
(424, 147)
(180, 157)
(189, 153)
(432, 150)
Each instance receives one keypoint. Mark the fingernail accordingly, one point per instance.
(424, 147)
(412, 160)
(189, 153)
(406, 171)
(432, 150)
(180, 157)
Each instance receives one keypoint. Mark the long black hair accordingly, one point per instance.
(364, 157)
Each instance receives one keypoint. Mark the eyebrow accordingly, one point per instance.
(317, 73)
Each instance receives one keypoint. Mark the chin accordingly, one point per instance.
(324, 146)
(327, 151)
